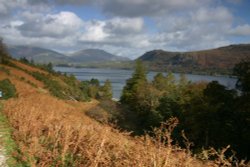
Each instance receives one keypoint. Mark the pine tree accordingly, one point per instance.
(107, 90)
(131, 87)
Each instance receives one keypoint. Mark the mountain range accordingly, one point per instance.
(219, 60)
(42, 55)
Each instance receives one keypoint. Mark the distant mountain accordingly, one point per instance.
(39, 55)
(219, 60)
(95, 55)
(42, 55)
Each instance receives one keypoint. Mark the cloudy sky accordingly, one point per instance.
(125, 27)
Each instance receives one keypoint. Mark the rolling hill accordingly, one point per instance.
(220, 60)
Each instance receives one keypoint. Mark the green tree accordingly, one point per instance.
(8, 89)
(106, 91)
(139, 97)
(171, 82)
(130, 90)
(242, 126)
(160, 82)
(210, 115)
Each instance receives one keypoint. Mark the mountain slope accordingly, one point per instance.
(54, 132)
(39, 55)
(220, 59)
(94, 55)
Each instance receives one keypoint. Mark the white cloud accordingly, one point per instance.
(52, 25)
(94, 32)
(241, 30)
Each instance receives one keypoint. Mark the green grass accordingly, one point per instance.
(11, 149)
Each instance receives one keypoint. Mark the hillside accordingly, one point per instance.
(37, 54)
(94, 55)
(220, 60)
(52, 131)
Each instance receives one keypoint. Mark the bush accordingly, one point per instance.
(5, 70)
(99, 114)
(68, 89)
(8, 89)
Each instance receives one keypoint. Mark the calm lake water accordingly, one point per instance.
(118, 77)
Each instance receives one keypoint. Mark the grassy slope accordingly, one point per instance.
(53, 132)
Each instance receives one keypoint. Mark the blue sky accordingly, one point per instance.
(125, 27)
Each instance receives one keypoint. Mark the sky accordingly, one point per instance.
(126, 28)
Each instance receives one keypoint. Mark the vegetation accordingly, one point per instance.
(209, 113)
(8, 89)
(65, 88)
(10, 148)
(97, 91)
(52, 131)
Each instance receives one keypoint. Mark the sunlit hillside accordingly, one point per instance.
(53, 132)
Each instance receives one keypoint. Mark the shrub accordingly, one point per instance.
(5, 70)
(68, 89)
(8, 89)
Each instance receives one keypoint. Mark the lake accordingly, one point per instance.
(118, 77)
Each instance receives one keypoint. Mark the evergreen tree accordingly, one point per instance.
(130, 90)
(106, 90)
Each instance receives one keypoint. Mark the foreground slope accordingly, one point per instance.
(54, 132)
(221, 59)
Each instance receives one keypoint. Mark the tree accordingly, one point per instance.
(160, 82)
(3, 51)
(8, 89)
(135, 96)
(209, 115)
(106, 91)
(242, 71)
(129, 91)
(171, 84)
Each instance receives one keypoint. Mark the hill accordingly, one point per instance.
(220, 60)
(53, 131)
(37, 54)
(94, 55)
